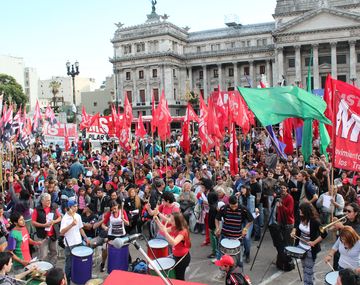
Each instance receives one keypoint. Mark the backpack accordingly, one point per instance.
(284, 262)
(139, 266)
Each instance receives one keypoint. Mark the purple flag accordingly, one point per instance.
(279, 146)
(298, 136)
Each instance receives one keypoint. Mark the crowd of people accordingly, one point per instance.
(53, 198)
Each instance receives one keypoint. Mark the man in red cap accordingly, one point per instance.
(226, 263)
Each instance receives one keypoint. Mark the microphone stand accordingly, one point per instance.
(151, 262)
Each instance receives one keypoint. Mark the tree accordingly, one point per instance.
(55, 88)
(11, 89)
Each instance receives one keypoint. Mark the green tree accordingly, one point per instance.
(55, 89)
(10, 88)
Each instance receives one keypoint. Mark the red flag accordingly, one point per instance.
(66, 139)
(87, 120)
(154, 121)
(207, 142)
(50, 116)
(328, 99)
(190, 114)
(346, 122)
(164, 118)
(212, 122)
(233, 157)
(287, 136)
(185, 139)
(262, 85)
(37, 119)
(140, 129)
(128, 116)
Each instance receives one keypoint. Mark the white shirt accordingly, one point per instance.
(73, 236)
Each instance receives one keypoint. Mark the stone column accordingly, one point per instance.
(134, 94)
(119, 88)
(220, 81)
(280, 60)
(268, 72)
(333, 60)
(251, 73)
(236, 79)
(190, 78)
(148, 88)
(205, 87)
(316, 66)
(352, 60)
(298, 76)
(275, 75)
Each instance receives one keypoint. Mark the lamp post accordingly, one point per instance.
(73, 70)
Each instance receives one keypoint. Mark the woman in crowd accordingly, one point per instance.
(348, 245)
(132, 206)
(178, 236)
(309, 232)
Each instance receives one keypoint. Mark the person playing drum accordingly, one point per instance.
(114, 223)
(310, 237)
(178, 236)
(233, 217)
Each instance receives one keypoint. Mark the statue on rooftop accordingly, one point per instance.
(153, 3)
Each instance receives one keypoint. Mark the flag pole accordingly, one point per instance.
(274, 143)
(240, 150)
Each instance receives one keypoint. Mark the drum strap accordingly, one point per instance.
(179, 261)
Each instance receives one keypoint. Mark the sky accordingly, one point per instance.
(48, 33)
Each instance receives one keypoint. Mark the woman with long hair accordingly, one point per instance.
(310, 237)
(348, 245)
(132, 206)
(178, 236)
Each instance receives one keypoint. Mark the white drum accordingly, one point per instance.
(43, 266)
(295, 252)
(230, 246)
(331, 277)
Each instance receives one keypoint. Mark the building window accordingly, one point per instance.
(243, 43)
(154, 73)
(141, 74)
(358, 57)
(248, 43)
(174, 72)
(201, 74)
(156, 94)
(177, 112)
(174, 93)
(95, 104)
(262, 69)
(233, 44)
(215, 47)
(342, 78)
(264, 42)
(127, 49)
(216, 73)
(291, 62)
(129, 96)
(140, 47)
(128, 75)
(341, 59)
(198, 49)
(246, 70)
(324, 60)
(259, 43)
(307, 60)
(231, 72)
(142, 95)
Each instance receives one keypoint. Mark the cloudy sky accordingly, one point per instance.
(47, 33)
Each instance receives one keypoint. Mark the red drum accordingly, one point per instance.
(158, 248)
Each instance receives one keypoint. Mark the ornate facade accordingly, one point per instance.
(159, 55)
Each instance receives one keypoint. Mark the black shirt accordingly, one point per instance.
(91, 219)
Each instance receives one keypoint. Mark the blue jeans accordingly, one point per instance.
(247, 241)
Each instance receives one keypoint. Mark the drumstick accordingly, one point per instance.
(332, 268)
(299, 238)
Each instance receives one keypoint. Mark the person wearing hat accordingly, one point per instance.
(72, 229)
(348, 192)
(91, 222)
(227, 264)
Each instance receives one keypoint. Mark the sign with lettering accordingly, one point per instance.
(56, 134)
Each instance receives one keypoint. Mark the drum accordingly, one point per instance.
(167, 265)
(295, 252)
(159, 247)
(118, 258)
(42, 266)
(81, 264)
(96, 281)
(230, 246)
(331, 277)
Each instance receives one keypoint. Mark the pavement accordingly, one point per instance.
(264, 271)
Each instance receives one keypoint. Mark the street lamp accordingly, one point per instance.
(73, 70)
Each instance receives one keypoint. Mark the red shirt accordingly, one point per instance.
(167, 211)
(285, 213)
(183, 247)
(47, 211)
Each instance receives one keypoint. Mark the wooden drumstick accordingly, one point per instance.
(332, 268)
(299, 238)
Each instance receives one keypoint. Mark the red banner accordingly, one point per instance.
(347, 125)
(56, 134)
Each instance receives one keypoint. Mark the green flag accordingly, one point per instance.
(307, 138)
(273, 105)
(324, 140)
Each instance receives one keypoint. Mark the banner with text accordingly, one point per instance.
(105, 132)
(56, 134)
(347, 126)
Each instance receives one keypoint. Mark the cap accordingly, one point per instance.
(226, 260)
(71, 203)
(96, 182)
(226, 164)
(203, 166)
(345, 181)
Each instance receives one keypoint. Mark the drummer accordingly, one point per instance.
(5, 267)
(114, 224)
(233, 217)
